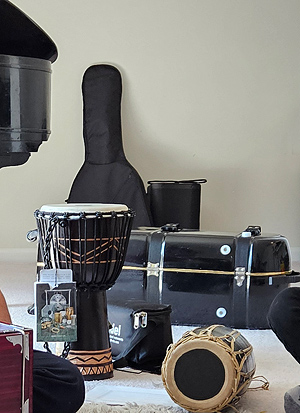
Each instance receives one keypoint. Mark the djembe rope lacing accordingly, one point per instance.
(48, 239)
(84, 258)
(238, 358)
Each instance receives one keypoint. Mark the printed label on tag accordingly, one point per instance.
(54, 276)
(55, 311)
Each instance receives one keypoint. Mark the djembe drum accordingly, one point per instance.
(208, 369)
(91, 240)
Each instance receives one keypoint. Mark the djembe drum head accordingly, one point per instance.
(208, 369)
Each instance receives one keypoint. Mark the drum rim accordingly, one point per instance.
(230, 381)
(85, 208)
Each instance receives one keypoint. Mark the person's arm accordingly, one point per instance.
(4, 313)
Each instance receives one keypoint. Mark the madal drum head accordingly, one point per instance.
(207, 369)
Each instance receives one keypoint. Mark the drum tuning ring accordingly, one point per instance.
(62, 222)
(32, 235)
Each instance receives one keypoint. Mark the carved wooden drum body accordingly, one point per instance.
(90, 239)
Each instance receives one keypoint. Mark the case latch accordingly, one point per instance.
(171, 227)
(153, 268)
(25, 407)
(240, 275)
(254, 230)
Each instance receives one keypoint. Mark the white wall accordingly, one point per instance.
(211, 90)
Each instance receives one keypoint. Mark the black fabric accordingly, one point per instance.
(21, 36)
(175, 201)
(58, 385)
(142, 348)
(284, 319)
(106, 176)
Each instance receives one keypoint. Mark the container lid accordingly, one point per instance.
(21, 36)
(184, 181)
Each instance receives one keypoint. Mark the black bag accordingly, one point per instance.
(175, 201)
(140, 334)
(106, 175)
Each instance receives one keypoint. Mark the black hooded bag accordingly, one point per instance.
(106, 176)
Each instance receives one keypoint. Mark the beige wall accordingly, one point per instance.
(211, 90)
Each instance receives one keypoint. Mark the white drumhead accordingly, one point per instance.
(87, 208)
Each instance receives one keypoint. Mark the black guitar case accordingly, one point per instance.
(106, 176)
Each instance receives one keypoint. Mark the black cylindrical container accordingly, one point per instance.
(25, 89)
(175, 202)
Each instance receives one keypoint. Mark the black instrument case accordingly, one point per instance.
(207, 277)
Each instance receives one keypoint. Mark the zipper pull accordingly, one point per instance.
(137, 316)
(144, 316)
(136, 321)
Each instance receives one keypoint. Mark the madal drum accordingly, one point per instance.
(208, 369)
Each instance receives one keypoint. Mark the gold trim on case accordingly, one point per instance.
(198, 271)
